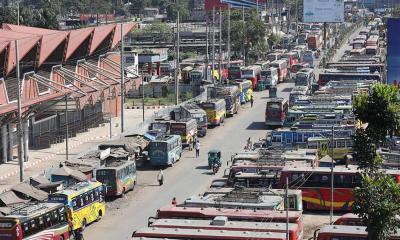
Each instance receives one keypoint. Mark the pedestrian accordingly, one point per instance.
(251, 100)
(79, 234)
(174, 202)
(194, 142)
(190, 144)
(197, 147)
(248, 146)
(160, 177)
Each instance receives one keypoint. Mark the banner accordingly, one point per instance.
(321, 11)
(393, 50)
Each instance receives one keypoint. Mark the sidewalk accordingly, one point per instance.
(40, 160)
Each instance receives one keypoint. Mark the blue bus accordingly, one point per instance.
(165, 150)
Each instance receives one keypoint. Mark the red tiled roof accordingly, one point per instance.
(76, 38)
(100, 33)
(126, 28)
(26, 43)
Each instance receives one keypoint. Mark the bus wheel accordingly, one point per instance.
(61, 237)
(83, 224)
(123, 192)
(99, 216)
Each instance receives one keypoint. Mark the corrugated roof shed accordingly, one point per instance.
(76, 38)
(99, 35)
(68, 172)
(126, 28)
(9, 198)
(25, 44)
(30, 191)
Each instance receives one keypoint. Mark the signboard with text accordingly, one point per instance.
(323, 11)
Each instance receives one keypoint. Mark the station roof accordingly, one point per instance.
(48, 41)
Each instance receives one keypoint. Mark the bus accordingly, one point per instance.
(231, 95)
(234, 72)
(263, 64)
(231, 214)
(252, 73)
(326, 77)
(165, 150)
(270, 76)
(185, 74)
(292, 58)
(356, 66)
(275, 111)
(118, 176)
(349, 219)
(342, 146)
(339, 232)
(35, 221)
(282, 67)
(223, 224)
(216, 111)
(85, 201)
(186, 128)
(196, 234)
(315, 184)
(296, 92)
(274, 56)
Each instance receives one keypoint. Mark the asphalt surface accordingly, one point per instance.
(190, 176)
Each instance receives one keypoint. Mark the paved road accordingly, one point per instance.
(188, 177)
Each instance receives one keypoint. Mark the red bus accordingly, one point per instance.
(349, 219)
(232, 214)
(339, 232)
(275, 111)
(222, 223)
(282, 67)
(193, 234)
(315, 184)
(252, 73)
(292, 58)
(35, 221)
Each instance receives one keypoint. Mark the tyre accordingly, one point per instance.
(99, 216)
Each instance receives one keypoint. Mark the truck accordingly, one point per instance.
(192, 110)
(231, 96)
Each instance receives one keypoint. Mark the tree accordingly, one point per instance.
(377, 203)
(364, 152)
(380, 110)
(248, 36)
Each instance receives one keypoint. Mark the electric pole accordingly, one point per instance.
(178, 69)
(332, 173)
(122, 79)
(220, 46)
(244, 36)
(229, 35)
(19, 130)
(207, 51)
(66, 127)
(213, 46)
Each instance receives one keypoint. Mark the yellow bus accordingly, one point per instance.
(216, 111)
(85, 202)
(341, 148)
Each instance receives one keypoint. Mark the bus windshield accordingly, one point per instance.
(163, 146)
(178, 129)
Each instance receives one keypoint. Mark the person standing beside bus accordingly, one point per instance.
(251, 100)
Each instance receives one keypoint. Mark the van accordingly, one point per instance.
(282, 67)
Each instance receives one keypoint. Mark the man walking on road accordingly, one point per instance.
(160, 177)
(251, 100)
(197, 146)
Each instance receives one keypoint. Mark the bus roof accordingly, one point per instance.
(337, 169)
(79, 188)
(207, 234)
(243, 214)
(349, 230)
(32, 209)
(116, 164)
(222, 223)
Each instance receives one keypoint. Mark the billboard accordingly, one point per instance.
(393, 51)
(321, 11)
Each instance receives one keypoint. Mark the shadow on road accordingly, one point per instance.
(256, 126)
(287, 89)
(203, 167)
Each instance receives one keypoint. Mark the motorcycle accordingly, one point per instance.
(216, 167)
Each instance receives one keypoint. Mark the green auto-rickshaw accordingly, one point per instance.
(214, 155)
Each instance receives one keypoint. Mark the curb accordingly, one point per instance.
(148, 107)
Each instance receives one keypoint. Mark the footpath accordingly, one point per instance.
(41, 160)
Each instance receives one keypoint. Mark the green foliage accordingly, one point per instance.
(380, 109)
(323, 151)
(248, 36)
(396, 12)
(364, 152)
(162, 32)
(377, 203)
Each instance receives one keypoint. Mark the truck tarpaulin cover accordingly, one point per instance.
(393, 58)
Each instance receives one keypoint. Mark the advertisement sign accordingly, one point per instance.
(393, 51)
(321, 11)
